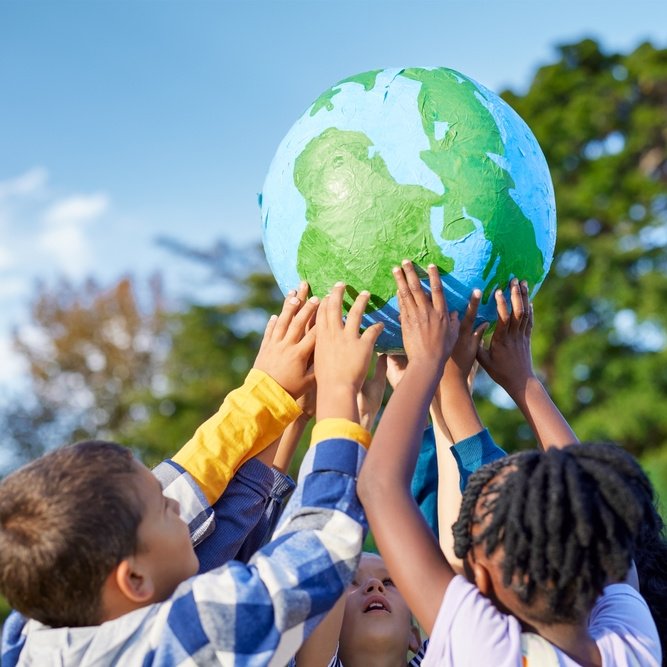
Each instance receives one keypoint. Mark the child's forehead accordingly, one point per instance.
(371, 562)
(147, 486)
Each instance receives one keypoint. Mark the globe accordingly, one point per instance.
(418, 163)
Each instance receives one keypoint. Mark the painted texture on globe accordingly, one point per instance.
(419, 163)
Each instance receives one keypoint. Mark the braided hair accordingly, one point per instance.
(567, 521)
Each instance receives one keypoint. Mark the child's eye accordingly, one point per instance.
(387, 581)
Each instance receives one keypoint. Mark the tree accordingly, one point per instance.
(600, 317)
(89, 350)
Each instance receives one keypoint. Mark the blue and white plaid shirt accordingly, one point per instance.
(237, 614)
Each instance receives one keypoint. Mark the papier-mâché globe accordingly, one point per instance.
(419, 163)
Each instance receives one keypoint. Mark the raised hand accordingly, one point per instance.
(509, 360)
(287, 346)
(342, 354)
(429, 331)
(464, 354)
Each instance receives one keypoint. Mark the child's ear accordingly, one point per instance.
(133, 581)
(482, 579)
(415, 639)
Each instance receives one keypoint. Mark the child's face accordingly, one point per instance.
(375, 612)
(163, 546)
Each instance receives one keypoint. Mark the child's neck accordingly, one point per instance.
(572, 639)
(375, 657)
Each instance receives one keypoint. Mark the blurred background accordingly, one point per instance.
(134, 139)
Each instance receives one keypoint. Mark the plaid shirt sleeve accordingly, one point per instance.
(242, 518)
(260, 613)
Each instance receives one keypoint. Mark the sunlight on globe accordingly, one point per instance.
(419, 163)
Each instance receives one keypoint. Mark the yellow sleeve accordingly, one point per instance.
(340, 428)
(249, 420)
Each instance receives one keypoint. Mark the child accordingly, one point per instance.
(248, 420)
(541, 534)
(93, 551)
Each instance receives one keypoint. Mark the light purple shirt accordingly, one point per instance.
(469, 631)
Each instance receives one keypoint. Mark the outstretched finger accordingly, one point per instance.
(437, 295)
(301, 320)
(356, 313)
(406, 302)
(517, 305)
(302, 291)
(335, 306)
(503, 312)
(371, 334)
(268, 331)
(525, 302)
(290, 307)
(414, 283)
(471, 311)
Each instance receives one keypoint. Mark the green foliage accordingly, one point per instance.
(600, 320)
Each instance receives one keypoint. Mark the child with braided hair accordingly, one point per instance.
(546, 537)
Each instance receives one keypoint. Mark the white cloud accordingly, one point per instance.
(64, 237)
(67, 247)
(29, 183)
(77, 209)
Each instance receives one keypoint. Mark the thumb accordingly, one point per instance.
(483, 357)
(372, 333)
(381, 368)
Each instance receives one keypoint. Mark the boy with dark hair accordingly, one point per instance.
(147, 610)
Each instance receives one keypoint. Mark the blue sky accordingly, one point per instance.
(121, 121)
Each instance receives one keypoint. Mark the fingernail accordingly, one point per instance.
(303, 284)
(364, 293)
(292, 292)
(313, 299)
(477, 293)
(405, 262)
(515, 282)
(340, 283)
(294, 301)
(273, 317)
(396, 269)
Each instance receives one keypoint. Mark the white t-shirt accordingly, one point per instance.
(469, 631)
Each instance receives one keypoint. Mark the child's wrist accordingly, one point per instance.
(518, 387)
(338, 401)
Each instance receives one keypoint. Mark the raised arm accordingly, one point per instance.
(455, 419)
(292, 582)
(255, 415)
(408, 546)
(509, 362)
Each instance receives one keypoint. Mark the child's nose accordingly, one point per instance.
(374, 584)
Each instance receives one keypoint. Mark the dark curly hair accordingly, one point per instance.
(568, 521)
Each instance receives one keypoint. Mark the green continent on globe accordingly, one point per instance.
(460, 158)
(361, 222)
(366, 79)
